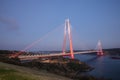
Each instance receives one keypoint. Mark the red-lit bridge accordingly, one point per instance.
(67, 30)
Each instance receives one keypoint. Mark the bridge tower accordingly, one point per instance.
(99, 51)
(67, 29)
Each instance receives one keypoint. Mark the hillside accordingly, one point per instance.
(14, 72)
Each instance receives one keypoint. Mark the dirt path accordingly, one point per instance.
(33, 72)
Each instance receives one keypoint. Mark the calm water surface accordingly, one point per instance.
(104, 65)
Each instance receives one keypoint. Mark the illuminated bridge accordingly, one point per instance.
(67, 30)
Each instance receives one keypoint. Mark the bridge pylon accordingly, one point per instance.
(99, 49)
(67, 29)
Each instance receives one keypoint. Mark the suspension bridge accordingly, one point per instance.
(67, 32)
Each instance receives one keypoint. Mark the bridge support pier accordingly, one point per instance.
(100, 51)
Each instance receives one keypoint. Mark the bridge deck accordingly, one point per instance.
(37, 56)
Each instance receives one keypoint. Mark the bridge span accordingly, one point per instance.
(37, 56)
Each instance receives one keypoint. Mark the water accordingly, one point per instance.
(104, 66)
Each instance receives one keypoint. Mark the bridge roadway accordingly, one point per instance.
(37, 56)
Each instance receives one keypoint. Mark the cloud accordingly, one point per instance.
(9, 23)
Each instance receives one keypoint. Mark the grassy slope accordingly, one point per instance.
(13, 72)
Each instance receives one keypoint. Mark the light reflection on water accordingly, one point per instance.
(104, 66)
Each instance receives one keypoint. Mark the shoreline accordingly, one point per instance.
(65, 67)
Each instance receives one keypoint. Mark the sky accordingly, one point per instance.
(39, 24)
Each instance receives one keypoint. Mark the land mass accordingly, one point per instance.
(15, 72)
(66, 67)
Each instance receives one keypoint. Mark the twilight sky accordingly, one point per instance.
(24, 23)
